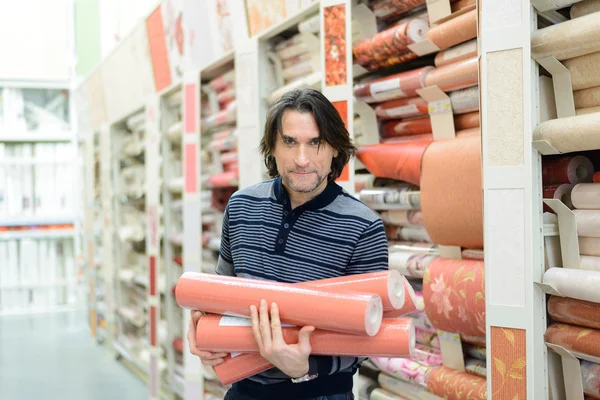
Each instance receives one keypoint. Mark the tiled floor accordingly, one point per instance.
(53, 356)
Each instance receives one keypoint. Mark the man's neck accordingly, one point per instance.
(299, 198)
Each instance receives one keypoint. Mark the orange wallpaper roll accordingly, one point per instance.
(466, 121)
(401, 108)
(409, 306)
(403, 84)
(404, 139)
(596, 178)
(405, 127)
(455, 31)
(454, 385)
(401, 161)
(396, 338)
(347, 312)
(178, 344)
(454, 293)
(460, 52)
(575, 312)
(451, 192)
(458, 75)
(576, 339)
(242, 366)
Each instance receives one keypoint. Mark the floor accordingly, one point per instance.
(53, 356)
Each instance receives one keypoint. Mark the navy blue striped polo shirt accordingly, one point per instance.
(332, 235)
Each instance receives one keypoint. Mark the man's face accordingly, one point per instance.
(302, 161)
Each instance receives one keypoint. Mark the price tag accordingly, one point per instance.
(452, 352)
(438, 107)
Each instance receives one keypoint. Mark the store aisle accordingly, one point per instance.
(53, 356)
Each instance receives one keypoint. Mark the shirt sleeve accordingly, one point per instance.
(371, 251)
(225, 262)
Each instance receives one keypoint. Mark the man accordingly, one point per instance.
(299, 226)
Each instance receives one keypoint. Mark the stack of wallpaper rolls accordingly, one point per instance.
(574, 43)
(349, 314)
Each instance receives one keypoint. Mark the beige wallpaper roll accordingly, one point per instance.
(587, 97)
(584, 8)
(588, 110)
(586, 196)
(585, 70)
(588, 222)
(569, 134)
(589, 246)
(568, 39)
(590, 263)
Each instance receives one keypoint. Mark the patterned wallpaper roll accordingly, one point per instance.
(476, 367)
(477, 352)
(404, 369)
(590, 375)
(392, 384)
(454, 293)
(577, 339)
(427, 355)
(407, 197)
(575, 283)
(454, 385)
(427, 338)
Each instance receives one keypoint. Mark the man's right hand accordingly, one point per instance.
(206, 357)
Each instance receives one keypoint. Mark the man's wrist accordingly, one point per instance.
(302, 373)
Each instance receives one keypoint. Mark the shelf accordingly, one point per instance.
(37, 137)
(215, 68)
(290, 22)
(39, 285)
(37, 234)
(37, 221)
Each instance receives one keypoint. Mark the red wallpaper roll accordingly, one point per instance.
(454, 31)
(575, 339)
(178, 344)
(400, 161)
(454, 293)
(347, 312)
(455, 385)
(396, 338)
(391, 61)
(567, 169)
(403, 84)
(574, 312)
(401, 108)
(458, 75)
(596, 178)
(405, 127)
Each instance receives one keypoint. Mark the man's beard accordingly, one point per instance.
(305, 188)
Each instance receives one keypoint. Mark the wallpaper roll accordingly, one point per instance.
(458, 75)
(391, 61)
(427, 338)
(584, 8)
(568, 39)
(454, 293)
(588, 110)
(297, 59)
(385, 9)
(224, 294)
(589, 246)
(586, 196)
(596, 178)
(571, 134)
(392, 384)
(222, 82)
(574, 312)
(476, 352)
(405, 127)
(407, 198)
(178, 344)
(366, 386)
(588, 222)
(421, 321)
(465, 100)
(390, 42)
(590, 375)
(410, 304)
(297, 70)
(450, 384)
(590, 263)
(408, 263)
(578, 340)
(474, 340)
(451, 192)
(381, 394)
(567, 169)
(560, 192)
(575, 283)
(476, 367)
(457, 53)
(396, 338)
(405, 139)
(402, 217)
(403, 84)
(427, 355)
(583, 71)
(466, 121)
(454, 31)
(401, 161)
(407, 233)
(224, 179)
(401, 108)
(404, 369)
(223, 117)
(472, 254)
(587, 98)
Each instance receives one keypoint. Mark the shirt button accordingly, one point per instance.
(286, 225)
(280, 241)
(285, 213)
(285, 202)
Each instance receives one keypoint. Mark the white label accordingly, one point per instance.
(385, 90)
(460, 50)
(440, 106)
(404, 111)
(229, 320)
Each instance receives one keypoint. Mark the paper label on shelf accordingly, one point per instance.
(404, 111)
(386, 90)
(460, 50)
(441, 106)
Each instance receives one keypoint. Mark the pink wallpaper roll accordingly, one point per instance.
(404, 369)
(427, 355)
(427, 338)
(401, 108)
(403, 84)
(458, 75)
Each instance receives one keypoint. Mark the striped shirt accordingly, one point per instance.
(332, 235)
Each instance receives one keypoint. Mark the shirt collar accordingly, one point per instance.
(326, 197)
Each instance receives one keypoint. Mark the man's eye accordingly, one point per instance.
(315, 142)
(288, 141)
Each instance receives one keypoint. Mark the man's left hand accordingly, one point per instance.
(291, 359)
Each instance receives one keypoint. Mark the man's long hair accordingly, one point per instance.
(331, 128)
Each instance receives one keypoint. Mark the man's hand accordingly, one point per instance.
(206, 357)
(291, 359)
